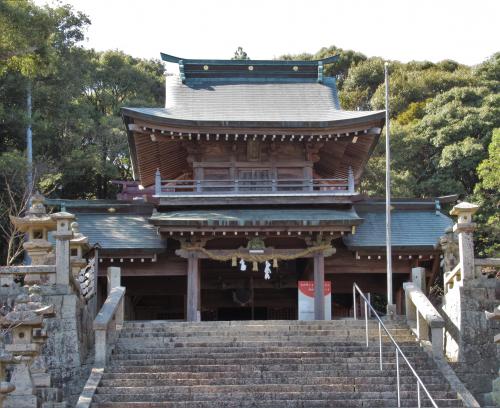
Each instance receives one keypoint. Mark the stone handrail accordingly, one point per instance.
(421, 316)
(38, 273)
(107, 323)
(451, 277)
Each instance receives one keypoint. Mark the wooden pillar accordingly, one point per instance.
(319, 286)
(193, 288)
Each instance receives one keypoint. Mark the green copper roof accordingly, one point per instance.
(255, 70)
(410, 228)
(257, 217)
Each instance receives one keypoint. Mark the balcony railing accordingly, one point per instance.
(250, 187)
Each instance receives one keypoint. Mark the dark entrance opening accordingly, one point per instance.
(155, 297)
(241, 313)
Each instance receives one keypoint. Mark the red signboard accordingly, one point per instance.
(307, 288)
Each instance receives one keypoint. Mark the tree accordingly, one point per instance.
(240, 54)
(487, 195)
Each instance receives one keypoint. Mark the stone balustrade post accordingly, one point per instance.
(101, 345)
(411, 310)
(437, 335)
(113, 274)
(418, 278)
(62, 236)
(107, 323)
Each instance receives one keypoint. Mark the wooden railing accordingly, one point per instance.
(333, 186)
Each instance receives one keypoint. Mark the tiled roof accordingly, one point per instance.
(283, 103)
(119, 231)
(410, 228)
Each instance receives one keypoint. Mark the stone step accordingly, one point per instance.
(373, 399)
(381, 383)
(278, 364)
(261, 403)
(360, 356)
(266, 385)
(334, 347)
(348, 363)
(265, 334)
(51, 404)
(261, 388)
(248, 328)
(225, 342)
(306, 369)
(139, 324)
(373, 377)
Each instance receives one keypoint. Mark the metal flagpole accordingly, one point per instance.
(390, 302)
(29, 160)
(29, 143)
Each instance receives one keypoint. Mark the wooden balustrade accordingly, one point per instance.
(334, 186)
(330, 186)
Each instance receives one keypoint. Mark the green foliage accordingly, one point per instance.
(77, 95)
(361, 83)
(340, 68)
(487, 195)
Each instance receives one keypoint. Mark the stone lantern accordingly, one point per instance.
(5, 386)
(36, 224)
(464, 228)
(25, 323)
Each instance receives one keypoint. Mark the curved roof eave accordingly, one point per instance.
(138, 113)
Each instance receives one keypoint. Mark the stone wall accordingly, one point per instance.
(478, 359)
(67, 353)
(70, 341)
(468, 293)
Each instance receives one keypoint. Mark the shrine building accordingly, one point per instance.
(246, 183)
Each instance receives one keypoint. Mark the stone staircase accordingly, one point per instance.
(271, 364)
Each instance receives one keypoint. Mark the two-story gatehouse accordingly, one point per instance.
(247, 183)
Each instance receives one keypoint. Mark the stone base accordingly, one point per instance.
(391, 311)
(41, 379)
(495, 392)
(21, 401)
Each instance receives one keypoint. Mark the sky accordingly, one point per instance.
(463, 30)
